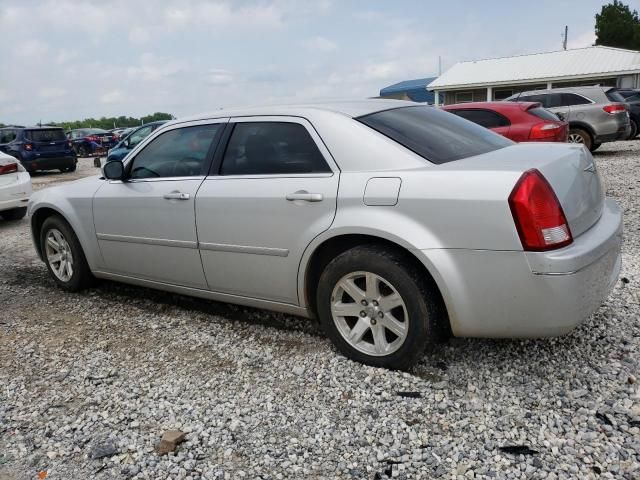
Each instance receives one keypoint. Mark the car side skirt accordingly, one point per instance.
(208, 295)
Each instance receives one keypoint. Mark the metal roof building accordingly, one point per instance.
(415, 90)
(499, 78)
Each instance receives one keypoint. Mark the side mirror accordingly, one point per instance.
(113, 170)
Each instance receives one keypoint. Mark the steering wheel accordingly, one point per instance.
(178, 164)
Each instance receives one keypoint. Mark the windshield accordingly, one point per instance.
(435, 135)
(45, 135)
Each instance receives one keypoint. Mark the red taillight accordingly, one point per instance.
(10, 168)
(70, 144)
(28, 146)
(92, 138)
(614, 108)
(544, 130)
(537, 213)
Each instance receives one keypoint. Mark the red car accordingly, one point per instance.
(518, 121)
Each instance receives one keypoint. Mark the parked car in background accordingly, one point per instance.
(39, 148)
(392, 222)
(15, 188)
(132, 139)
(91, 141)
(518, 121)
(593, 118)
(120, 133)
(632, 99)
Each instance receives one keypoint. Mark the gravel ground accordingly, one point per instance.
(90, 381)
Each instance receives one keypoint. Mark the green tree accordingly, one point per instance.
(108, 123)
(618, 26)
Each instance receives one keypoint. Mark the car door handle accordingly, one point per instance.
(177, 196)
(305, 196)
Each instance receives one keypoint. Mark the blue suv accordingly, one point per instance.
(39, 148)
(132, 139)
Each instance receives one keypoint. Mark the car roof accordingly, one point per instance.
(566, 90)
(349, 108)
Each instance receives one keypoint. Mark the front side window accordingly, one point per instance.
(485, 118)
(435, 135)
(272, 148)
(181, 152)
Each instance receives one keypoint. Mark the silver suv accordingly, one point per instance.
(593, 118)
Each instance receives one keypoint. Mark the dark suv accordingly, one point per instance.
(631, 98)
(592, 116)
(39, 148)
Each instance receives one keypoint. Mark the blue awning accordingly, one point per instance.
(416, 89)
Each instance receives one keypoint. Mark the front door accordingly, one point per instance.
(146, 225)
(273, 193)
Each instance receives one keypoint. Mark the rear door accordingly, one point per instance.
(273, 192)
(146, 225)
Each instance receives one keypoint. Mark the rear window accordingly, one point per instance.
(45, 135)
(543, 114)
(437, 136)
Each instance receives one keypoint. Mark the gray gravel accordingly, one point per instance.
(89, 382)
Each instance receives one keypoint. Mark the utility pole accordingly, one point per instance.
(565, 37)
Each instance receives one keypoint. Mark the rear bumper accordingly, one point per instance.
(15, 195)
(49, 163)
(616, 129)
(527, 294)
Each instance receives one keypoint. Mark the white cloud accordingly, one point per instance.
(113, 96)
(585, 39)
(320, 44)
(52, 92)
(219, 77)
(139, 34)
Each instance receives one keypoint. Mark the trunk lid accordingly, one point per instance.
(569, 169)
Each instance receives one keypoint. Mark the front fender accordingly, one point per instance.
(74, 203)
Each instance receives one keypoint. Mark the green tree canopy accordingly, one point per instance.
(618, 26)
(108, 123)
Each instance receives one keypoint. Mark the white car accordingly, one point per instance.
(15, 188)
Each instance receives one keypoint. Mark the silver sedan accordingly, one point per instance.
(395, 224)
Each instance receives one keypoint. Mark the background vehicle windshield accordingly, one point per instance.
(437, 136)
(45, 135)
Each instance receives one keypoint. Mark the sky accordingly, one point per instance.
(70, 59)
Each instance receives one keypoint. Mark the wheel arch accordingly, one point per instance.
(318, 256)
(38, 218)
(584, 126)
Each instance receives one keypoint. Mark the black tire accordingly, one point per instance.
(422, 306)
(595, 146)
(81, 277)
(14, 213)
(82, 151)
(634, 129)
(587, 141)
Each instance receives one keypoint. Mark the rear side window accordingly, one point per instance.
(569, 99)
(272, 148)
(543, 114)
(437, 136)
(485, 118)
(45, 135)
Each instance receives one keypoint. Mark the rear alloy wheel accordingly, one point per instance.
(63, 255)
(578, 135)
(14, 213)
(376, 308)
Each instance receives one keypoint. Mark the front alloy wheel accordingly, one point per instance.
(369, 313)
(59, 255)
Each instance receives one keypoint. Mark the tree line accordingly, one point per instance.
(108, 123)
(618, 26)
